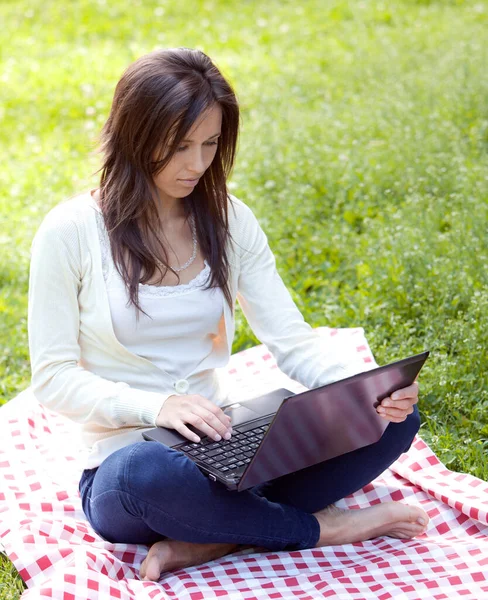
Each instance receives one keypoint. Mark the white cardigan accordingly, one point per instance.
(80, 369)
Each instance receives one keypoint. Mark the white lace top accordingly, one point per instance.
(181, 328)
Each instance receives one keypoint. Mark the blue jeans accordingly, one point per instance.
(146, 492)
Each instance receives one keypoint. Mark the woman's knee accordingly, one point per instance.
(136, 467)
(155, 469)
(131, 481)
(411, 425)
(401, 435)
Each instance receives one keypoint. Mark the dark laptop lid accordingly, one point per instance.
(325, 422)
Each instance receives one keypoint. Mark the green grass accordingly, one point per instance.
(363, 152)
(11, 585)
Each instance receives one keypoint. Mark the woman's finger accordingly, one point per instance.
(214, 410)
(199, 423)
(395, 413)
(215, 427)
(401, 404)
(412, 391)
(183, 430)
(393, 419)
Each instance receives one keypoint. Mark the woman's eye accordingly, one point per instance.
(183, 148)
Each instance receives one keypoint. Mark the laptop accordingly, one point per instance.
(281, 432)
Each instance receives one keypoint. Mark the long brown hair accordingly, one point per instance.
(156, 102)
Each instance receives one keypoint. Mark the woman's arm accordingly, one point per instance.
(58, 267)
(301, 352)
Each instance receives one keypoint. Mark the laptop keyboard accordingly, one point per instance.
(227, 455)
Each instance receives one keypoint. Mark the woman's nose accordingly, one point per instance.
(197, 161)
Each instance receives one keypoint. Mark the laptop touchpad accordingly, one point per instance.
(240, 414)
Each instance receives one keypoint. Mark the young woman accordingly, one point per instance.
(131, 311)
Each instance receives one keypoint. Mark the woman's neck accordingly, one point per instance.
(170, 210)
(169, 214)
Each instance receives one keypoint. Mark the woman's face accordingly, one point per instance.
(193, 157)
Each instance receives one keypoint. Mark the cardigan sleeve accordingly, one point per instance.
(300, 351)
(57, 268)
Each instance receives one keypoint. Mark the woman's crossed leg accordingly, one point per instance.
(148, 493)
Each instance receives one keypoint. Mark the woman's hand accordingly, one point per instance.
(399, 405)
(178, 411)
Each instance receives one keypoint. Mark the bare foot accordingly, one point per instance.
(393, 519)
(168, 555)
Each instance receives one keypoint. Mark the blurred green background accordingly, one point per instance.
(363, 153)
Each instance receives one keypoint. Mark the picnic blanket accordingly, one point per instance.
(58, 555)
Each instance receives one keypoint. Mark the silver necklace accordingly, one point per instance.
(194, 253)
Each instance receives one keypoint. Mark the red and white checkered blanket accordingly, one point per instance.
(45, 534)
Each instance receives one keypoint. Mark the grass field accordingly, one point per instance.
(363, 152)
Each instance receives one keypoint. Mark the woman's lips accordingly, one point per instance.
(189, 182)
